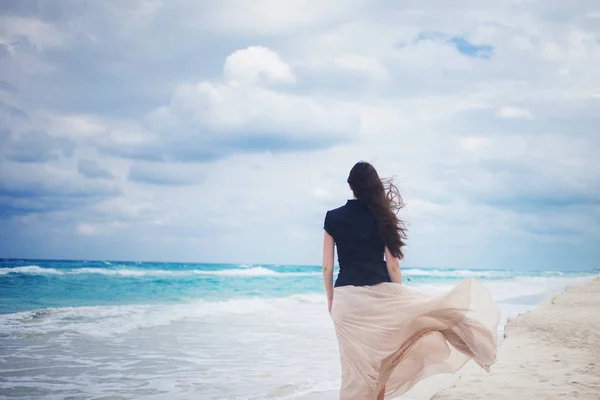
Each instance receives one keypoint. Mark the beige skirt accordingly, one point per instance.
(394, 336)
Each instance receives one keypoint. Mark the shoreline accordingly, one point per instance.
(549, 352)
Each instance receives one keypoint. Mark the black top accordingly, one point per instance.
(359, 245)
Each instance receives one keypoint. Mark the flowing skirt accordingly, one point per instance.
(394, 336)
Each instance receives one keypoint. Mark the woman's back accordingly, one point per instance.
(359, 245)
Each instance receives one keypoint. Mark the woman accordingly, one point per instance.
(390, 336)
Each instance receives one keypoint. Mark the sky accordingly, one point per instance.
(202, 131)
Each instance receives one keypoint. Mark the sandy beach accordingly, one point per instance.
(552, 352)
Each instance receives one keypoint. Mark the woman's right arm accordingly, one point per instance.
(328, 254)
(393, 266)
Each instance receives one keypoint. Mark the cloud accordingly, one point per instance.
(97, 229)
(91, 169)
(364, 64)
(509, 112)
(272, 17)
(256, 64)
(8, 87)
(87, 229)
(26, 189)
(206, 121)
(473, 143)
(529, 174)
(9, 112)
(77, 127)
(164, 174)
(36, 147)
(538, 204)
(234, 112)
(32, 30)
(37, 189)
(321, 193)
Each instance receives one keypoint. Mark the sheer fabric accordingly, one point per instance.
(395, 336)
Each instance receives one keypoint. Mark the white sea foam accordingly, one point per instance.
(30, 270)
(126, 272)
(460, 273)
(455, 273)
(247, 270)
(102, 321)
(130, 272)
(254, 271)
(518, 287)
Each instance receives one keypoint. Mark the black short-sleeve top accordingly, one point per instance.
(360, 248)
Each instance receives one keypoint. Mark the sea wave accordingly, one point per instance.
(465, 273)
(246, 270)
(453, 273)
(30, 270)
(106, 321)
(131, 272)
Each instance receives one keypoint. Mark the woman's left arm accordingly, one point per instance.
(328, 250)
(393, 266)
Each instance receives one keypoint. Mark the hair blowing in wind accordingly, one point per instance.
(384, 200)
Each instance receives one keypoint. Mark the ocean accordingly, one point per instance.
(143, 330)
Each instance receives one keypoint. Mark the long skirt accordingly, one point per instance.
(393, 336)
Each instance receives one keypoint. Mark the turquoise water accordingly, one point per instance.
(129, 330)
(34, 284)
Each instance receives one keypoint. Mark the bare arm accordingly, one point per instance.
(328, 247)
(393, 267)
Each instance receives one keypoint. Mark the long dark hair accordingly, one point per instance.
(382, 197)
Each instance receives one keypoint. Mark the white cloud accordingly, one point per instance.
(35, 31)
(268, 16)
(87, 229)
(256, 64)
(125, 208)
(369, 65)
(75, 126)
(237, 110)
(97, 229)
(321, 193)
(509, 112)
(166, 174)
(91, 169)
(215, 114)
(473, 143)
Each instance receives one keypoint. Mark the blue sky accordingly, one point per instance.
(223, 131)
